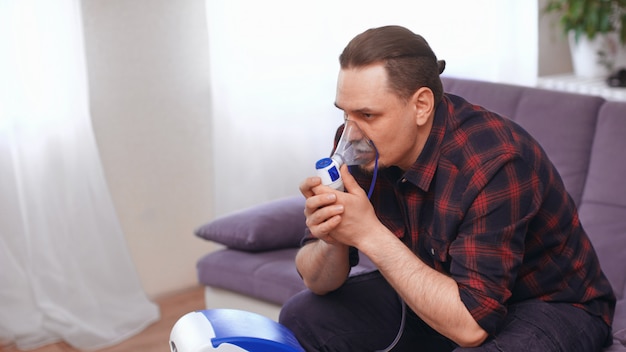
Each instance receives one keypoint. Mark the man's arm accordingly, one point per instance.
(324, 262)
(323, 266)
(433, 296)
(340, 220)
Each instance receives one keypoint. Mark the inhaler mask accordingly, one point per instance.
(354, 148)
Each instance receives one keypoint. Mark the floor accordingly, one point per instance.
(156, 337)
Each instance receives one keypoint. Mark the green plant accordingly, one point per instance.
(590, 17)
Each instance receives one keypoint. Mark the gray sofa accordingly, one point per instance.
(585, 136)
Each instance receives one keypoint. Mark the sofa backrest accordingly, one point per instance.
(563, 123)
(500, 98)
(603, 208)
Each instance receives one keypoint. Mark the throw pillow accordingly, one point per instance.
(268, 226)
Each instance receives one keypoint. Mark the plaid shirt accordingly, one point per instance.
(484, 205)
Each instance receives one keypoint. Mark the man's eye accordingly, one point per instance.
(368, 116)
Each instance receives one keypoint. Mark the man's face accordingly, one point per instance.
(389, 121)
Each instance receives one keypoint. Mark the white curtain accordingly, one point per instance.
(65, 271)
(274, 66)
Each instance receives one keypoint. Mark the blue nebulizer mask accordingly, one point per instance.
(354, 148)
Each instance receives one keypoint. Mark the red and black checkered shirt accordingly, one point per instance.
(484, 205)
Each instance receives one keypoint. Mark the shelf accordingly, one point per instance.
(582, 85)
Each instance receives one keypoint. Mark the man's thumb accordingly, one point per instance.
(349, 182)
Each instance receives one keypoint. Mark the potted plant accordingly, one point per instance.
(596, 30)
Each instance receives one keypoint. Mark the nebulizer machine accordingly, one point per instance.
(230, 330)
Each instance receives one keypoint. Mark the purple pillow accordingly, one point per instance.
(273, 225)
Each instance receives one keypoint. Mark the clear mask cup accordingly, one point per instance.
(354, 148)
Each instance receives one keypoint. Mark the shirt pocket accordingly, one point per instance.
(437, 252)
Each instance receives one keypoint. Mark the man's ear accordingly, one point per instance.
(423, 101)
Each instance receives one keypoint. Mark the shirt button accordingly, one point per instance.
(432, 251)
(403, 180)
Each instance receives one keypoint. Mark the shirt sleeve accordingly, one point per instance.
(489, 249)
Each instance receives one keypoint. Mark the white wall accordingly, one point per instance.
(148, 79)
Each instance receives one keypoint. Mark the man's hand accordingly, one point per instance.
(323, 265)
(333, 216)
(338, 219)
(321, 209)
(358, 220)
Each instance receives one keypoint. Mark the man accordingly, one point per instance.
(469, 225)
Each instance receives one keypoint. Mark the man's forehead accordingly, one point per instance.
(361, 88)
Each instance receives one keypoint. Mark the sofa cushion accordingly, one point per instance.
(277, 224)
(270, 275)
(603, 208)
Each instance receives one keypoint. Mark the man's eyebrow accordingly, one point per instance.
(364, 110)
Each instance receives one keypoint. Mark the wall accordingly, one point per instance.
(554, 55)
(149, 93)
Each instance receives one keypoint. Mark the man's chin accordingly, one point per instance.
(368, 169)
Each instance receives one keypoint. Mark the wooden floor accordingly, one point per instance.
(156, 337)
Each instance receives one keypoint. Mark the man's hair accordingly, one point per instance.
(408, 59)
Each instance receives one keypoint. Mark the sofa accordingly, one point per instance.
(585, 136)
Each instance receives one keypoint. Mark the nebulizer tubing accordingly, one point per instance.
(400, 329)
(328, 170)
(402, 303)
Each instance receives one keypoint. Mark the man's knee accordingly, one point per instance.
(299, 312)
(292, 309)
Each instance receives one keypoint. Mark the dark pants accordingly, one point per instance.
(365, 315)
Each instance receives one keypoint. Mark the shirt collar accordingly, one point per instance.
(422, 172)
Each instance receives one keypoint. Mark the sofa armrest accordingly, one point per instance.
(268, 226)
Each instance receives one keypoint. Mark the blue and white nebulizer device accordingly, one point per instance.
(328, 170)
(230, 330)
(353, 148)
